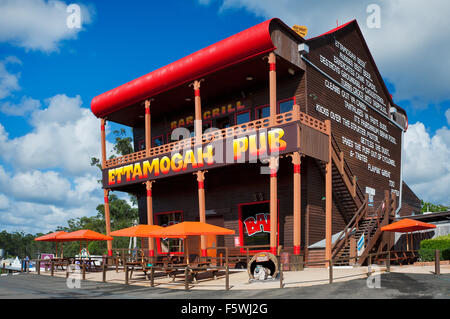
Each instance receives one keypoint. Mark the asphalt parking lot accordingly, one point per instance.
(392, 285)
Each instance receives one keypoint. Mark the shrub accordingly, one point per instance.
(428, 247)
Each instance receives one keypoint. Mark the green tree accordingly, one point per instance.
(123, 146)
(429, 207)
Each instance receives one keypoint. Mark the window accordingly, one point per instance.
(223, 123)
(169, 245)
(254, 224)
(158, 141)
(242, 117)
(141, 145)
(286, 105)
(262, 112)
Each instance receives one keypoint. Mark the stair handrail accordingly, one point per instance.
(347, 169)
(352, 224)
(383, 214)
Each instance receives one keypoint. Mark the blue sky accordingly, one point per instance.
(49, 74)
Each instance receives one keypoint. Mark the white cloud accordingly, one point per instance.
(410, 47)
(26, 106)
(47, 178)
(426, 165)
(38, 24)
(4, 202)
(9, 82)
(64, 135)
(44, 200)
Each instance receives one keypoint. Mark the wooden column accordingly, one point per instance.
(107, 221)
(272, 86)
(296, 160)
(148, 131)
(198, 112)
(103, 142)
(151, 241)
(201, 207)
(273, 205)
(328, 196)
(106, 191)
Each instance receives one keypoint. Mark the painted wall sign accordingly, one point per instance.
(244, 148)
(208, 114)
(353, 99)
(257, 224)
(300, 30)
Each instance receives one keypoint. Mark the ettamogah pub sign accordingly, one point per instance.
(248, 147)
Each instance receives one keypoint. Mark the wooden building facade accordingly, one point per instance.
(282, 139)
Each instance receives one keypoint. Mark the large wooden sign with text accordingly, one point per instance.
(358, 109)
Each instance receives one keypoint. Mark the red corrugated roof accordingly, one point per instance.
(239, 47)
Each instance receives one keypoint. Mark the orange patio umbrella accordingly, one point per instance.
(136, 231)
(141, 231)
(53, 237)
(184, 229)
(407, 225)
(84, 234)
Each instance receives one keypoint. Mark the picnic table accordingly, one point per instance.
(87, 261)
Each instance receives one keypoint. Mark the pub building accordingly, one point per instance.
(282, 139)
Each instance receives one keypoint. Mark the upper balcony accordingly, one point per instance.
(295, 131)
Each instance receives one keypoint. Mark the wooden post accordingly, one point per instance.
(84, 270)
(52, 271)
(388, 261)
(273, 204)
(328, 196)
(201, 207)
(272, 87)
(67, 269)
(331, 270)
(186, 278)
(106, 192)
(353, 252)
(148, 130)
(103, 142)
(107, 220)
(227, 278)
(104, 270)
(126, 274)
(280, 266)
(437, 263)
(152, 276)
(151, 241)
(296, 110)
(296, 160)
(38, 266)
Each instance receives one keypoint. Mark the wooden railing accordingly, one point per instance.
(383, 214)
(350, 229)
(349, 179)
(229, 132)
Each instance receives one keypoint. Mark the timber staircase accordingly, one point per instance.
(346, 192)
(361, 219)
(367, 222)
